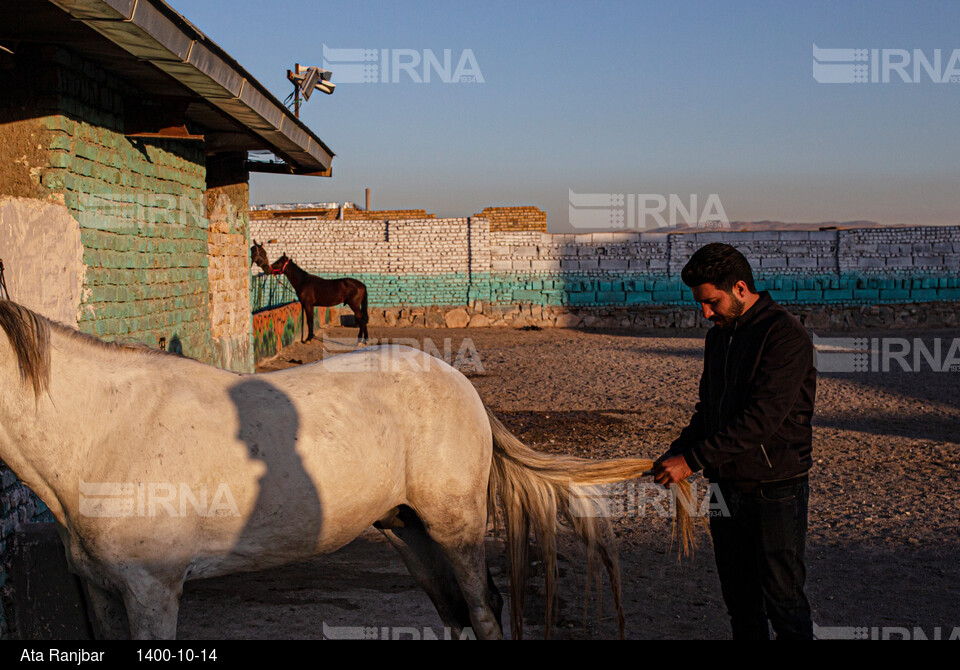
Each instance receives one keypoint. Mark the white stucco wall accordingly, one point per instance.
(42, 257)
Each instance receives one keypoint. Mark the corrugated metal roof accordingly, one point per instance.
(153, 32)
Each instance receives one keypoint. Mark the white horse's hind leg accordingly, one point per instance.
(428, 565)
(460, 536)
(152, 608)
(469, 563)
(447, 487)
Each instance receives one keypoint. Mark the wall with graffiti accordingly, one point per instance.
(276, 328)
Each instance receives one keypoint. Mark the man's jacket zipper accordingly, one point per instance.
(726, 360)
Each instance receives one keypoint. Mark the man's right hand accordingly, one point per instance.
(671, 470)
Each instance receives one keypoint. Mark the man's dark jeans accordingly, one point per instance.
(759, 549)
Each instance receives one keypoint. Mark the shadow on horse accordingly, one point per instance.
(313, 291)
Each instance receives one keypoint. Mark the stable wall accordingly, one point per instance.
(151, 265)
(457, 262)
(410, 261)
(857, 266)
(228, 272)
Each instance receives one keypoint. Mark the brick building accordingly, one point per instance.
(125, 140)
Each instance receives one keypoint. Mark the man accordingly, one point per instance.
(751, 435)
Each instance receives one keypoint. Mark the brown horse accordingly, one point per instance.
(313, 291)
(258, 255)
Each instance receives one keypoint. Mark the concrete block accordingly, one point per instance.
(809, 295)
(894, 294)
(783, 295)
(924, 295)
(638, 298)
(611, 297)
(583, 298)
(838, 294)
(869, 262)
(524, 295)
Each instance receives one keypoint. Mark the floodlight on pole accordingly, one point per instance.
(306, 81)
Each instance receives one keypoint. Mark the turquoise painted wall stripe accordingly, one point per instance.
(581, 290)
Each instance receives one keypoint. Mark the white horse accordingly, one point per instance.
(159, 469)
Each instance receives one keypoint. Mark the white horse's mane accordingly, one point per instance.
(29, 335)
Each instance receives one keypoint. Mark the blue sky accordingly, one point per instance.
(617, 97)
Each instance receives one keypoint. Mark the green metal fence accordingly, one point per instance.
(269, 291)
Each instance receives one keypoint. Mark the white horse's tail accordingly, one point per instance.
(539, 491)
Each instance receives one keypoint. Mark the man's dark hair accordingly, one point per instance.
(718, 264)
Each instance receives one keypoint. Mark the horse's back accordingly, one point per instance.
(411, 388)
(390, 407)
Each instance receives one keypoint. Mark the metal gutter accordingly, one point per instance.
(154, 32)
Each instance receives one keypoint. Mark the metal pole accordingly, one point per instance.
(296, 100)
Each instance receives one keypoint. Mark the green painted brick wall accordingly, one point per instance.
(140, 205)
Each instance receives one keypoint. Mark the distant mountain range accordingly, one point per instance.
(772, 225)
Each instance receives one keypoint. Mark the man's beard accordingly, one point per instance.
(727, 320)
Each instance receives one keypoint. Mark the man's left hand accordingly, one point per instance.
(671, 470)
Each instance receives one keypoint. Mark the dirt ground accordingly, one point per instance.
(883, 546)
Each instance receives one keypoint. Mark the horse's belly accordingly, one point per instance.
(288, 535)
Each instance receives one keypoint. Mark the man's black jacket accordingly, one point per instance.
(752, 422)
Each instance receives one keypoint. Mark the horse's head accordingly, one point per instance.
(279, 265)
(258, 255)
